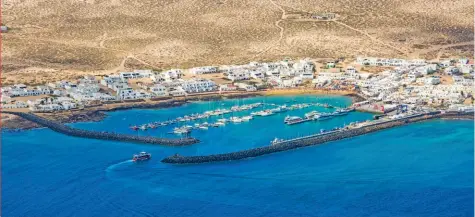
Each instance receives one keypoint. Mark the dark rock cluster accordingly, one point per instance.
(61, 128)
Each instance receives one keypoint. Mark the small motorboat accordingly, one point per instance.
(219, 124)
(134, 128)
(246, 118)
(142, 156)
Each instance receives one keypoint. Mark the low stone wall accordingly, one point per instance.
(307, 141)
(61, 128)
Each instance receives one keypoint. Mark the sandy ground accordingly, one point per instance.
(95, 37)
(446, 79)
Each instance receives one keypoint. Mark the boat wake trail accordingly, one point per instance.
(113, 166)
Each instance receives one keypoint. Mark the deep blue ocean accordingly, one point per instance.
(422, 169)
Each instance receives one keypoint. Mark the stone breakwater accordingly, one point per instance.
(61, 128)
(307, 141)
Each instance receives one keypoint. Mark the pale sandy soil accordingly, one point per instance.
(446, 79)
(65, 39)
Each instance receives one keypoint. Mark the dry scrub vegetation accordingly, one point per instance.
(61, 39)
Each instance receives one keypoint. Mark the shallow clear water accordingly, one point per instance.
(423, 169)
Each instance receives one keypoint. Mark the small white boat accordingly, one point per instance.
(181, 130)
(247, 118)
(311, 114)
(265, 113)
(220, 124)
(276, 141)
(203, 127)
(340, 112)
(293, 120)
(323, 116)
(235, 120)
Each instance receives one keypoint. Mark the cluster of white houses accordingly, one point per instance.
(410, 81)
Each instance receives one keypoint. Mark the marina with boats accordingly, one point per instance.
(201, 121)
(324, 136)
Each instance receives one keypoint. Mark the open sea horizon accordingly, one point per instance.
(420, 169)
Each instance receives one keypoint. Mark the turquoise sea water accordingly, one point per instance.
(423, 169)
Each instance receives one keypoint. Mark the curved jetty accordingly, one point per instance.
(61, 128)
(309, 140)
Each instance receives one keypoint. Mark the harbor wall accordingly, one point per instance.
(70, 131)
(308, 140)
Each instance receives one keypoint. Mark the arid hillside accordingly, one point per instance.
(61, 39)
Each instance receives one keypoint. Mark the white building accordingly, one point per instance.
(256, 74)
(198, 85)
(104, 97)
(227, 87)
(372, 61)
(15, 105)
(129, 75)
(306, 75)
(109, 79)
(144, 73)
(246, 87)
(171, 75)
(238, 75)
(46, 108)
(177, 91)
(118, 86)
(204, 70)
(433, 80)
(159, 90)
(126, 93)
(87, 88)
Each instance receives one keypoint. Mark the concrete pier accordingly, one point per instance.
(309, 140)
(61, 128)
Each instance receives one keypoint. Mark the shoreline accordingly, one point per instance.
(98, 113)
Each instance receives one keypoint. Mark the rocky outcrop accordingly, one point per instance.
(70, 131)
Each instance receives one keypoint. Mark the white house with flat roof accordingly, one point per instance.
(256, 74)
(198, 85)
(246, 87)
(433, 80)
(239, 75)
(204, 70)
(227, 87)
(126, 93)
(159, 90)
(177, 91)
(109, 79)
